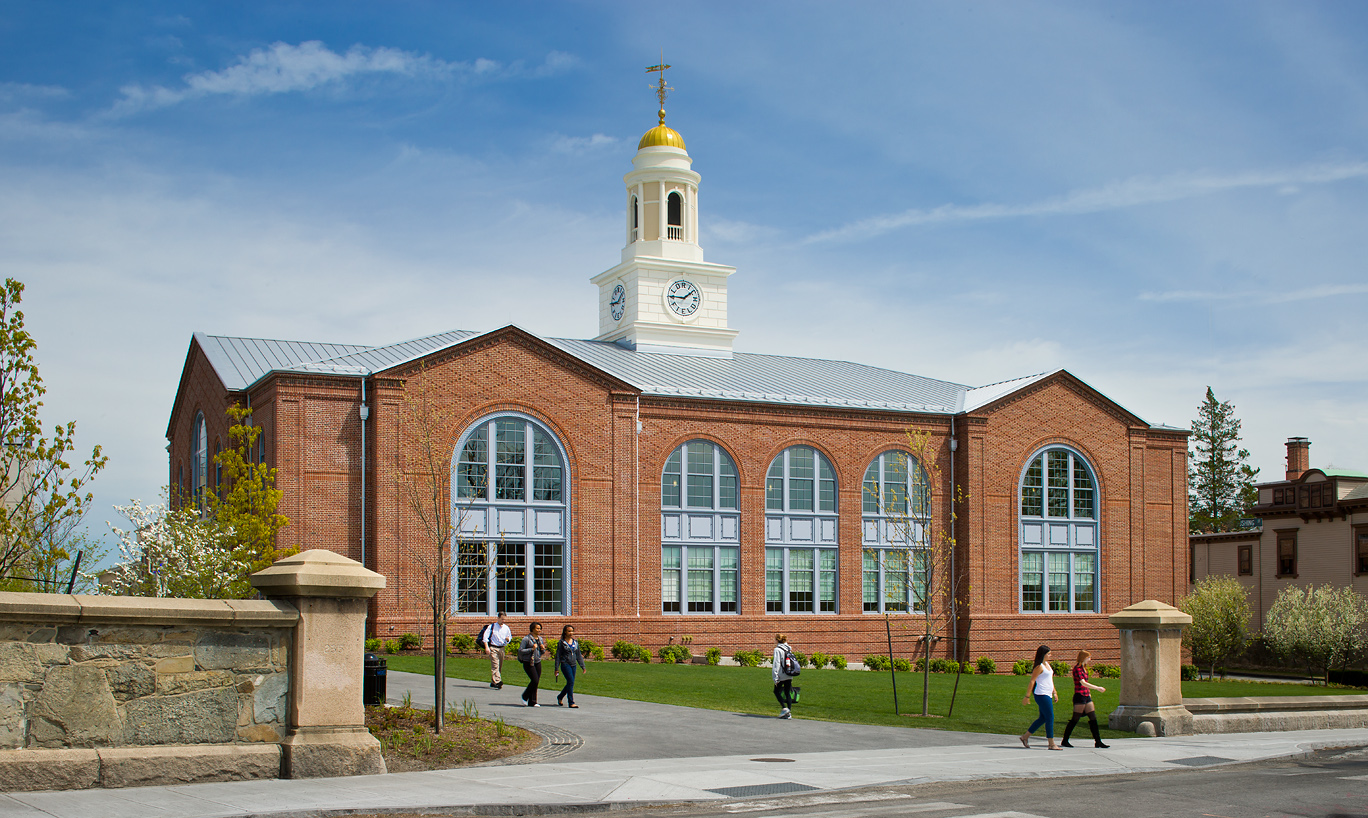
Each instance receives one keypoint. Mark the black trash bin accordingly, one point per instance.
(373, 681)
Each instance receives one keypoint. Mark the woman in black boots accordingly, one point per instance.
(1082, 701)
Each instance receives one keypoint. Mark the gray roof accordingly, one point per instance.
(742, 377)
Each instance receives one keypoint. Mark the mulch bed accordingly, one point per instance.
(409, 744)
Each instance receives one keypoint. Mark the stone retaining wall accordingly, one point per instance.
(1262, 714)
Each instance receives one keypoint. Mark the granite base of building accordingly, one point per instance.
(330, 752)
(1264, 714)
(1173, 720)
(74, 769)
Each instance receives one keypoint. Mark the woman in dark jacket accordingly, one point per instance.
(530, 652)
(568, 659)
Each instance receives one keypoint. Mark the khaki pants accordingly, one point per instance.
(496, 656)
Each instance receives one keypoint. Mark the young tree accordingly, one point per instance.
(1321, 626)
(1219, 607)
(42, 497)
(245, 513)
(923, 547)
(1220, 481)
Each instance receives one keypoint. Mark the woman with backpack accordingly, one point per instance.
(785, 668)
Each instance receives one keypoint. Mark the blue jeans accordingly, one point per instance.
(1046, 704)
(568, 692)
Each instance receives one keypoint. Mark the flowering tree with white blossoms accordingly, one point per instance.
(170, 552)
(1323, 626)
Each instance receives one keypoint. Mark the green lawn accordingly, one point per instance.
(985, 704)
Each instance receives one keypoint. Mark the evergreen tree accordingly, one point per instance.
(1220, 481)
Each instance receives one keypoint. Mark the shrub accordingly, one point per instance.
(1190, 673)
(1321, 627)
(818, 660)
(410, 641)
(1022, 667)
(877, 662)
(749, 658)
(630, 652)
(462, 643)
(590, 650)
(391, 646)
(675, 654)
(918, 665)
(944, 666)
(1219, 607)
(838, 662)
(902, 664)
(985, 665)
(966, 667)
(714, 655)
(1061, 668)
(1105, 671)
(372, 645)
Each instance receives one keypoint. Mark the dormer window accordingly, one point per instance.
(1316, 495)
(636, 221)
(674, 227)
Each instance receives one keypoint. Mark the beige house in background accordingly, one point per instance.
(1314, 531)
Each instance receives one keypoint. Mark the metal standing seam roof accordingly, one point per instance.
(742, 377)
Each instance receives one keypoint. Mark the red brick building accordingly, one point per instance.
(651, 484)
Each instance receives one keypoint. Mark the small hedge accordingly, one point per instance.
(392, 646)
(590, 650)
(838, 662)
(714, 655)
(410, 641)
(674, 654)
(818, 660)
(462, 642)
(372, 646)
(1022, 667)
(985, 666)
(750, 658)
(628, 652)
(1190, 673)
(1105, 671)
(877, 662)
(902, 664)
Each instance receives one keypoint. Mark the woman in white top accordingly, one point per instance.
(1043, 691)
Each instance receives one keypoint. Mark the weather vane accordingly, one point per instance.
(662, 90)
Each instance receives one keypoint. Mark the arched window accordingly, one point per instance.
(636, 220)
(1059, 533)
(675, 216)
(699, 530)
(895, 519)
(800, 533)
(199, 458)
(510, 511)
(218, 469)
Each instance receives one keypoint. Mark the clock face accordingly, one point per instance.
(618, 303)
(683, 297)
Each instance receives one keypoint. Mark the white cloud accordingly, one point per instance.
(1116, 196)
(580, 144)
(1260, 296)
(284, 68)
(18, 91)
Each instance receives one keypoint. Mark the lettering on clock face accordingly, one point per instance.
(618, 303)
(683, 297)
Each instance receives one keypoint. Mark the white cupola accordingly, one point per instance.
(663, 297)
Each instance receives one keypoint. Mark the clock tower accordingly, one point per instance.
(663, 297)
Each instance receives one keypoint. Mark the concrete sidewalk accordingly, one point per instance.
(604, 784)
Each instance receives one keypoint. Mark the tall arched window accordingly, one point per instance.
(510, 510)
(800, 533)
(199, 458)
(699, 530)
(675, 216)
(1059, 533)
(896, 516)
(218, 469)
(636, 220)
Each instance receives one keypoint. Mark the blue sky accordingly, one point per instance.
(1157, 196)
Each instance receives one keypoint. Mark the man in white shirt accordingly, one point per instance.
(496, 640)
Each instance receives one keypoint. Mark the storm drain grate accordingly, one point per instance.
(763, 789)
(1199, 761)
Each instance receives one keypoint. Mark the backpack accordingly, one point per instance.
(789, 664)
(482, 638)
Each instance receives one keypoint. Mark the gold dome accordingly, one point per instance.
(661, 136)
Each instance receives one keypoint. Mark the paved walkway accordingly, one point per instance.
(659, 762)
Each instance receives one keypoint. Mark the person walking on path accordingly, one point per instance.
(530, 653)
(568, 659)
(496, 637)
(783, 682)
(1043, 691)
(1082, 701)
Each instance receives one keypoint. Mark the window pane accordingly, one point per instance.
(728, 561)
(669, 481)
(801, 473)
(1032, 494)
(547, 578)
(546, 472)
(669, 579)
(1033, 582)
(869, 587)
(1059, 582)
(1084, 582)
(895, 483)
(895, 581)
(1058, 474)
(801, 590)
(700, 459)
(826, 486)
(472, 471)
(700, 579)
(470, 578)
(774, 485)
(871, 489)
(510, 458)
(921, 491)
(1083, 491)
(774, 580)
(510, 574)
(728, 496)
